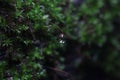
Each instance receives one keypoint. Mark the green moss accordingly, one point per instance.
(30, 30)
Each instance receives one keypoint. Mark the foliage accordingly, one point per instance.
(30, 32)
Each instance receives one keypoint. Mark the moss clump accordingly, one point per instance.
(27, 30)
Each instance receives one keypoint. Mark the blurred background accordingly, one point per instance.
(92, 46)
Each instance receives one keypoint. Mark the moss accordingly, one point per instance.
(30, 32)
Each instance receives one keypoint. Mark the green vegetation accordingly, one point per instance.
(27, 33)
(30, 33)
